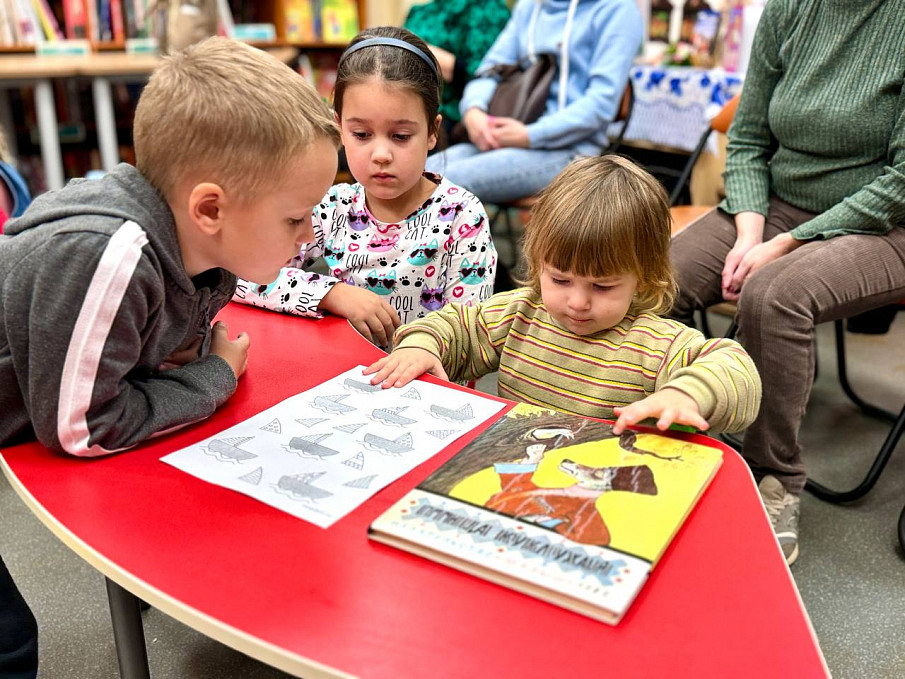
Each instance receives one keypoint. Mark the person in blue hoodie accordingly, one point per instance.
(594, 42)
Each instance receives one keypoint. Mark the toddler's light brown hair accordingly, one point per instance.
(604, 216)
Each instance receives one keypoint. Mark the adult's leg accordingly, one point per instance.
(780, 305)
(18, 632)
(698, 253)
(500, 175)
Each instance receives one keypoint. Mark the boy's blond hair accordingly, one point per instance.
(600, 217)
(225, 112)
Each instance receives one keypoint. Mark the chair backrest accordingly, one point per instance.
(623, 115)
(720, 123)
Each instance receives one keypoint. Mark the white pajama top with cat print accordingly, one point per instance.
(440, 253)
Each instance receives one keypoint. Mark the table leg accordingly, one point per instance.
(9, 126)
(50, 136)
(128, 633)
(106, 123)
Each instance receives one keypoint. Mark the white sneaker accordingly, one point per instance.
(783, 509)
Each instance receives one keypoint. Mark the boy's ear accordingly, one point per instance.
(206, 203)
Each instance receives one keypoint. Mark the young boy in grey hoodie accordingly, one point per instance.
(108, 288)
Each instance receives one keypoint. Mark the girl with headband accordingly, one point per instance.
(400, 242)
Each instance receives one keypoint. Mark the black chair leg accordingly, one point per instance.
(868, 408)
(873, 474)
(902, 529)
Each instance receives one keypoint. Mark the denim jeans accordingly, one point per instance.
(18, 632)
(505, 174)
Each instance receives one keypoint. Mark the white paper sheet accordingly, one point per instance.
(321, 453)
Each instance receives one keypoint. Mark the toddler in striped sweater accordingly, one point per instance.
(584, 335)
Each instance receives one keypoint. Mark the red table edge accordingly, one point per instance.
(228, 635)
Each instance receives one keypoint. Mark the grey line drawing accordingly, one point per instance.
(391, 416)
(442, 433)
(412, 394)
(228, 450)
(350, 428)
(331, 404)
(362, 387)
(254, 478)
(460, 414)
(310, 446)
(300, 487)
(357, 462)
(397, 446)
(311, 421)
(363, 482)
(273, 426)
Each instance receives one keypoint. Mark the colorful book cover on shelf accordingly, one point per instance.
(300, 24)
(555, 506)
(339, 20)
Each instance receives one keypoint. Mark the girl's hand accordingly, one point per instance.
(368, 313)
(477, 123)
(404, 365)
(667, 405)
(756, 257)
(510, 132)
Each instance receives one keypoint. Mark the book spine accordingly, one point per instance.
(116, 21)
(48, 20)
(74, 18)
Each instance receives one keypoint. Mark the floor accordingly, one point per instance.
(851, 572)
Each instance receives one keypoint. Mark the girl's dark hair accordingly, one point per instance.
(391, 64)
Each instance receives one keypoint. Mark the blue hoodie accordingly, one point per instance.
(606, 35)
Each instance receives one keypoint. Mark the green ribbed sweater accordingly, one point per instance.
(822, 120)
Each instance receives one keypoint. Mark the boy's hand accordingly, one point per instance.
(667, 405)
(234, 352)
(184, 356)
(366, 311)
(404, 365)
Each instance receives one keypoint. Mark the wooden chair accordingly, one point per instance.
(504, 218)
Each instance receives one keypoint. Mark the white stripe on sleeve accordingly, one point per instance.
(99, 308)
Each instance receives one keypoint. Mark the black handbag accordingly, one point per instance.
(523, 88)
(521, 92)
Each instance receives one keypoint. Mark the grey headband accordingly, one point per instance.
(391, 42)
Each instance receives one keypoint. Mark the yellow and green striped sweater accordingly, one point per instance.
(540, 362)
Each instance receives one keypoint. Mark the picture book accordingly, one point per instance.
(555, 506)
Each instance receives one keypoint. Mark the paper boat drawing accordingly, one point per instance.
(391, 416)
(299, 486)
(331, 404)
(310, 446)
(460, 414)
(397, 446)
(228, 450)
(363, 387)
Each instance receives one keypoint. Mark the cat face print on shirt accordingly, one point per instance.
(382, 243)
(333, 256)
(472, 274)
(448, 210)
(381, 284)
(358, 221)
(431, 298)
(424, 254)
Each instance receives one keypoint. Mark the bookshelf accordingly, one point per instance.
(67, 114)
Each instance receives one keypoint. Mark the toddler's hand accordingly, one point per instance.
(404, 365)
(667, 405)
(367, 312)
(234, 352)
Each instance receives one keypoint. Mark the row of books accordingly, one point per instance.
(331, 21)
(28, 23)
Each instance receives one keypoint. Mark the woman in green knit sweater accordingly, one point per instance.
(812, 226)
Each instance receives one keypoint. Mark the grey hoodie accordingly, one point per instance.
(93, 298)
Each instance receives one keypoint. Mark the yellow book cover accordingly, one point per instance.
(339, 20)
(300, 24)
(556, 506)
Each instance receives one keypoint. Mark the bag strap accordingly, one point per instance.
(564, 56)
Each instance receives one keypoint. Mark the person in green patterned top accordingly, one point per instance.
(459, 33)
(811, 229)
